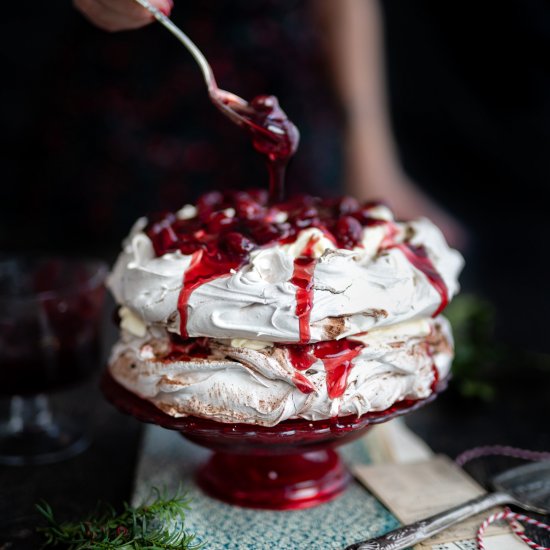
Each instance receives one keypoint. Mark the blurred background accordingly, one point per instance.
(100, 128)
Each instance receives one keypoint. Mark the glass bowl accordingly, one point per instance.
(288, 466)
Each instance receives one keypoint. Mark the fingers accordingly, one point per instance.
(119, 15)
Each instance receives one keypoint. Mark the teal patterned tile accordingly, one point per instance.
(168, 460)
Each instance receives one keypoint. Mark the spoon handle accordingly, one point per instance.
(186, 41)
(411, 534)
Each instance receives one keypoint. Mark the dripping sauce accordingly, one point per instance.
(337, 357)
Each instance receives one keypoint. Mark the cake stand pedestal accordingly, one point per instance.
(288, 466)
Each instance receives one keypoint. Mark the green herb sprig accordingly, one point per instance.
(158, 524)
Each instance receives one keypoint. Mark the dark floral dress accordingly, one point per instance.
(123, 126)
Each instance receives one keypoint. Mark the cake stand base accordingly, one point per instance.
(288, 466)
(287, 482)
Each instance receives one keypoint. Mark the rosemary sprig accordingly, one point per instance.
(157, 524)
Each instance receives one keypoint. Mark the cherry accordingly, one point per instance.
(163, 237)
(347, 205)
(265, 104)
(348, 231)
(236, 244)
(264, 233)
(219, 221)
(266, 113)
(261, 196)
(308, 212)
(247, 208)
(341, 221)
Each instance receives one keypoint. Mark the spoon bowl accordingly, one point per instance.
(528, 486)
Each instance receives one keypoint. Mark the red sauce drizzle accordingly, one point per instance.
(204, 267)
(301, 357)
(304, 267)
(337, 357)
(302, 383)
(418, 257)
(435, 381)
(220, 242)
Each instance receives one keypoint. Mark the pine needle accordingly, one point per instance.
(157, 524)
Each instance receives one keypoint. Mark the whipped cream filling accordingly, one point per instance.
(353, 290)
(244, 384)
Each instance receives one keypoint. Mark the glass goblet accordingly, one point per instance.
(50, 314)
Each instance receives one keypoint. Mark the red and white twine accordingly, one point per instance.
(500, 450)
(512, 518)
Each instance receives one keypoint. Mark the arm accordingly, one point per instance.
(354, 45)
(119, 15)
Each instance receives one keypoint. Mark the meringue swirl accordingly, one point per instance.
(382, 307)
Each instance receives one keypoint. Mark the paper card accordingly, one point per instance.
(494, 542)
(393, 442)
(417, 490)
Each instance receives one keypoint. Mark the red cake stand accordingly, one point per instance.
(285, 467)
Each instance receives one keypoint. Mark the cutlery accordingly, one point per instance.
(527, 487)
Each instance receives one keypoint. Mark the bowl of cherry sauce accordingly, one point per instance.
(50, 319)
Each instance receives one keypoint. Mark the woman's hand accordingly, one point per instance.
(408, 201)
(119, 15)
(354, 47)
(374, 173)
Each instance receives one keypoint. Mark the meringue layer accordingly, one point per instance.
(377, 298)
(353, 290)
(246, 385)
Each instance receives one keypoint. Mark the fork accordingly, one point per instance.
(229, 104)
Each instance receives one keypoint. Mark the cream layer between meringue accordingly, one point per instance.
(242, 384)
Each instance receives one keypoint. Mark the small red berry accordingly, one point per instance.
(247, 208)
(348, 231)
(236, 244)
(347, 205)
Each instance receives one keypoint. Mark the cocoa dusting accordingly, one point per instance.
(375, 313)
(333, 327)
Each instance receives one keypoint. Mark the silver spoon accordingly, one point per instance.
(526, 486)
(229, 104)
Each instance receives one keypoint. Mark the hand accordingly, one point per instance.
(119, 15)
(408, 201)
(374, 173)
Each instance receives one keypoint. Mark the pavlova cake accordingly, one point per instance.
(240, 311)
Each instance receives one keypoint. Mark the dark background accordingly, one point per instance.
(98, 129)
